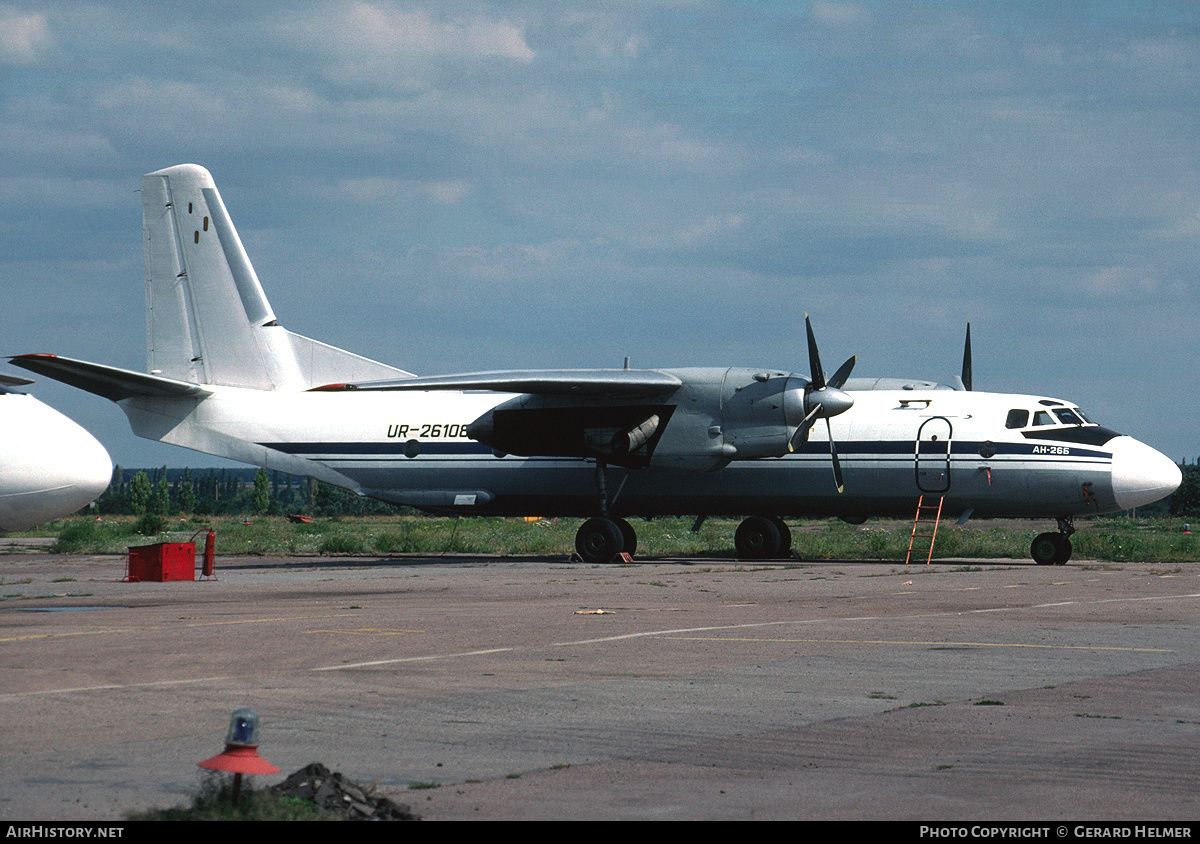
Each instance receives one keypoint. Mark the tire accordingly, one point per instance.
(757, 538)
(629, 535)
(599, 540)
(1046, 549)
(785, 537)
(1064, 551)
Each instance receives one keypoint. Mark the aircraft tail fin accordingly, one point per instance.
(207, 318)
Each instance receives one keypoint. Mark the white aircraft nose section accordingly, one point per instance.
(90, 472)
(49, 466)
(1141, 475)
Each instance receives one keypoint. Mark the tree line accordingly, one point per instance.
(1186, 500)
(220, 492)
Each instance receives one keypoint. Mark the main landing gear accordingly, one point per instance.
(763, 538)
(1053, 549)
(603, 538)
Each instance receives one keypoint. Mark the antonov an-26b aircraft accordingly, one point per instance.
(225, 378)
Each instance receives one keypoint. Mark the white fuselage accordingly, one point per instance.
(411, 448)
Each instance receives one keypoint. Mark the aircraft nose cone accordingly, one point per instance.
(51, 466)
(93, 471)
(1141, 475)
(79, 474)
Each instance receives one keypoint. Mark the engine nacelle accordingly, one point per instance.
(761, 411)
(622, 434)
(713, 416)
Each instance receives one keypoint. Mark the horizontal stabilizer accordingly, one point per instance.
(561, 382)
(107, 381)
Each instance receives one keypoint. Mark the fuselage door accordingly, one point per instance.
(933, 455)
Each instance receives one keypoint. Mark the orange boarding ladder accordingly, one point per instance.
(926, 513)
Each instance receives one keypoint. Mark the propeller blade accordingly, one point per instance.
(966, 369)
(837, 465)
(814, 358)
(839, 377)
(823, 399)
(801, 434)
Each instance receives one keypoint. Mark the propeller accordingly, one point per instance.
(823, 399)
(966, 369)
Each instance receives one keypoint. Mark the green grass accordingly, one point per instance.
(215, 803)
(1105, 540)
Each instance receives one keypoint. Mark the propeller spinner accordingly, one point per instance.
(823, 399)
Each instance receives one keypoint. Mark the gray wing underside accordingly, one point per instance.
(564, 382)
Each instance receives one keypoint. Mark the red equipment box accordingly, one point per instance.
(162, 561)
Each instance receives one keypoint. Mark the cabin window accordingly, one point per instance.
(1017, 419)
(1042, 418)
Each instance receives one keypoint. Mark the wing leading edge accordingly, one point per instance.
(547, 382)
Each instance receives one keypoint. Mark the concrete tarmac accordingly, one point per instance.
(533, 688)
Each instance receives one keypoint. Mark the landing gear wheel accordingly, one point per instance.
(1050, 549)
(757, 538)
(785, 537)
(599, 540)
(629, 535)
(1064, 551)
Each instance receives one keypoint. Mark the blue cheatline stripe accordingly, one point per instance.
(425, 446)
(878, 449)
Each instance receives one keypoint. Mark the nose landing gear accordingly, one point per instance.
(1053, 549)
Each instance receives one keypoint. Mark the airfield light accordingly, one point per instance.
(243, 729)
(241, 751)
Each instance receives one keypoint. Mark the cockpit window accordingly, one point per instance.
(1017, 419)
(1058, 414)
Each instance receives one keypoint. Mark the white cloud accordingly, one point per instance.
(838, 14)
(363, 37)
(23, 37)
(712, 227)
(383, 190)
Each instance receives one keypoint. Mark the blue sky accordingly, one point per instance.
(456, 186)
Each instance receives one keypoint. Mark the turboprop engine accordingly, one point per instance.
(702, 421)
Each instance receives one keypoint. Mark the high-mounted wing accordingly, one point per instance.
(543, 382)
